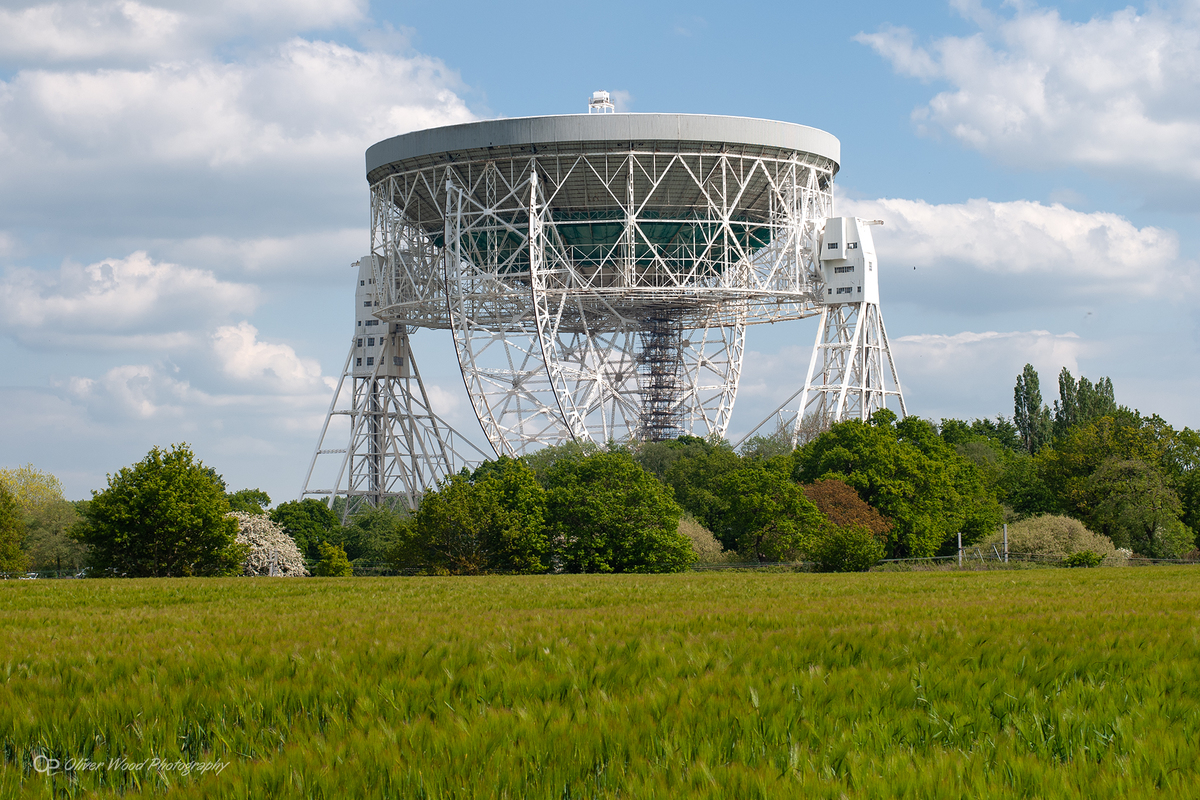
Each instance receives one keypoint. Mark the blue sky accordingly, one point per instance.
(182, 191)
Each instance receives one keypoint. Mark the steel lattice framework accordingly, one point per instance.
(600, 289)
(598, 272)
(851, 366)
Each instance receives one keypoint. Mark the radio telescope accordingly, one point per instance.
(597, 273)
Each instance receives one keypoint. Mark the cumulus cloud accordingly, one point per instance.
(259, 376)
(126, 30)
(1118, 93)
(942, 374)
(446, 403)
(962, 353)
(117, 302)
(273, 367)
(133, 391)
(303, 255)
(1021, 252)
(302, 100)
(183, 145)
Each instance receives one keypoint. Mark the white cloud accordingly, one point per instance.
(126, 31)
(117, 302)
(962, 353)
(445, 403)
(82, 31)
(302, 101)
(1118, 93)
(943, 374)
(1021, 252)
(273, 367)
(265, 146)
(324, 253)
(256, 379)
(132, 391)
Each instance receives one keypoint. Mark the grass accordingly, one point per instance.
(1038, 683)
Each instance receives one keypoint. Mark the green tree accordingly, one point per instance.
(1021, 487)
(607, 514)
(32, 488)
(1189, 497)
(47, 517)
(12, 531)
(1131, 503)
(540, 461)
(768, 517)
(1030, 415)
(490, 521)
(694, 478)
(48, 542)
(658, 457)
(309, 522)
(980, 512)
(1000, 433)
(333, 562)
(1181, 464)
(1081, 402)
(1067, 467)
(1008, 470)
(910, 475)
(164, 516)
(1095, 400)
(370, 535)
(769, 446)
(250, 501)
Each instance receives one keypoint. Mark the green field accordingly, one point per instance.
(1038, 683)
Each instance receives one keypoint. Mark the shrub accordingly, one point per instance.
(1084, 558)
(1119, 557)
(852, 548)
(333, 563)
(708, 550)
(1051, 536)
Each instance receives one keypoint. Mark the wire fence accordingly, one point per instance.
(973, 558)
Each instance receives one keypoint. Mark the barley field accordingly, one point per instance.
(1035, 683)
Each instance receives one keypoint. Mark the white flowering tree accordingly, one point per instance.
(271, 551)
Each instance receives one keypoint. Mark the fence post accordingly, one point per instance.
(960, 549)
(1006, 543)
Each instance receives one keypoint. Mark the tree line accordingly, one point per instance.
(852, 494)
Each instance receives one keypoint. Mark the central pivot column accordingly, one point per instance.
(660, 377)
